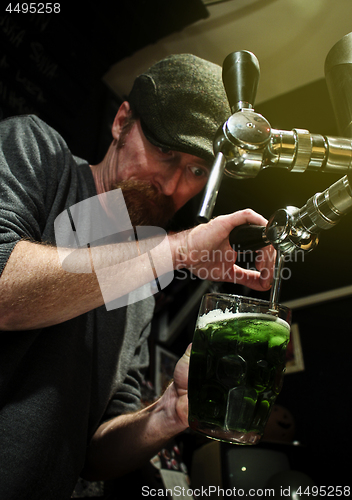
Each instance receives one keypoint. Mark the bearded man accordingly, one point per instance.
(71, 367)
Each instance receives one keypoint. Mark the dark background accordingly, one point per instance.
(52, 66)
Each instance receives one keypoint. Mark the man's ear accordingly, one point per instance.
(119, 120)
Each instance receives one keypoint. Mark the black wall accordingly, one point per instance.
(51, 64)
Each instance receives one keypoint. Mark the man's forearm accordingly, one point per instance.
(129, 441)
(42, 285)
(36, 291)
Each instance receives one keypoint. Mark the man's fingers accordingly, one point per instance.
(247, 216)
(250, 278)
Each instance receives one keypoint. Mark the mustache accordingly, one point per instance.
(145, 204)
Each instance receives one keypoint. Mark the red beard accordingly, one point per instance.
(145, 205)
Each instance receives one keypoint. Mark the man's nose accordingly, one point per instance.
(169, 180)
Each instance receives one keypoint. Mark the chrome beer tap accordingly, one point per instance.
(290, 229)
(245, 144)
(294, 229)
(239, 142)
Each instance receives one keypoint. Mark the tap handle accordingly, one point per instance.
(240, 75)
(248, 237)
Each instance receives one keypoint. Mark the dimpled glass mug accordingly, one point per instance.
(236, 366)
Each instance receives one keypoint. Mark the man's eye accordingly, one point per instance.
(165, 151)
(199, 172)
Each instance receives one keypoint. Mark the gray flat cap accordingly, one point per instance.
(181, 103)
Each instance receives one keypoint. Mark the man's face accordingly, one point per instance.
(156, 182)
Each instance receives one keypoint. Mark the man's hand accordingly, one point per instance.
(205, 250)
(175, 396)
(128, 441)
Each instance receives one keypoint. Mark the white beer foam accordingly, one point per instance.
(220, 315)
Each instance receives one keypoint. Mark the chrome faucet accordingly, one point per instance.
(290, 229)
(245, 144)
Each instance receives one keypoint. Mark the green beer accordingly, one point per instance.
(236, 369)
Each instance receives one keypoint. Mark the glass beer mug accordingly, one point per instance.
(236, 366)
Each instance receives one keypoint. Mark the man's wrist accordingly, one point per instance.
(179, 249)
(166, 408)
